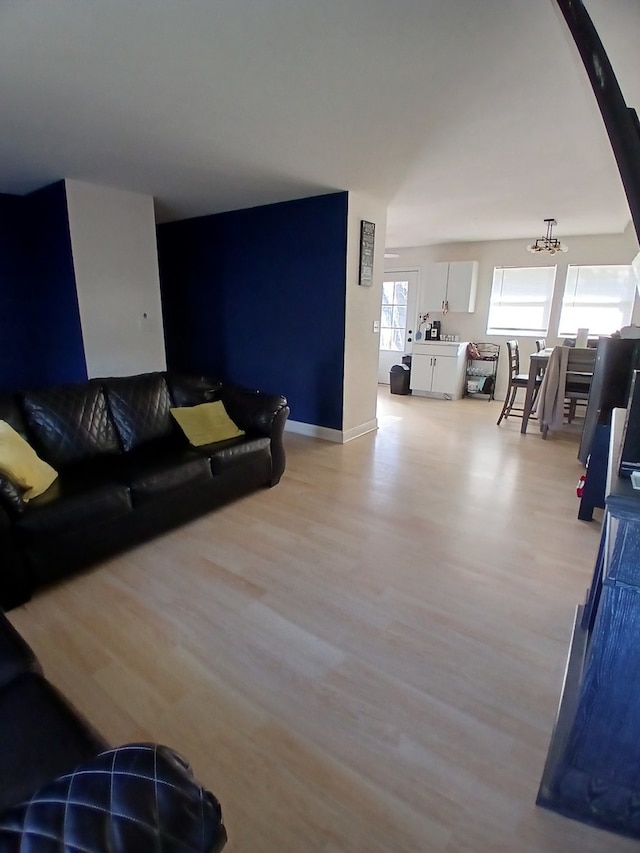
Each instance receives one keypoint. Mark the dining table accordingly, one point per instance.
(537, 365)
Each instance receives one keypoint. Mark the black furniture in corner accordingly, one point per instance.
(616, 360)
(592, 772)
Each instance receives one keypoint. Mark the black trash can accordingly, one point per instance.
(399, 379)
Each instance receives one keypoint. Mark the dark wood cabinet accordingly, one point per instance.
(593, 766)
(616, 360)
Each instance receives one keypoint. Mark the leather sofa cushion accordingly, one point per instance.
(70, 423)
(147, 478)
(227, 454)
(71, 503)
(16, 656)
(41, 737)
(188, 390)
(138, 797)
(140, 407)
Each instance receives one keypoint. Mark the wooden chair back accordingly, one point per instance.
(513, 350)
(581, 364)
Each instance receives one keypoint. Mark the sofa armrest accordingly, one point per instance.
(252, 411)
(11, 498)
(136, 797)
(264, 414)
(16, 655)
(15, 579)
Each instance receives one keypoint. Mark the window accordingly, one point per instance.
(393, 317)
(597, 298)
(521, 300)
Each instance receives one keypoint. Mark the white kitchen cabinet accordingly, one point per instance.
(438, 369)
(449, 286)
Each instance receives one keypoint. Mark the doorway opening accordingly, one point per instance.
(396, 314)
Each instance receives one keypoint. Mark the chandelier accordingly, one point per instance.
(547, 243)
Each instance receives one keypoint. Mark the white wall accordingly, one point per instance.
(113, 240)
(362, 344)
(599, 249)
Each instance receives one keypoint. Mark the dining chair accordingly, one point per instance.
(541, 343)
(517, 380)
(567, 382)
(580, 367)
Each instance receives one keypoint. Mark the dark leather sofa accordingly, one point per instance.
(62, 788)
(126, 471)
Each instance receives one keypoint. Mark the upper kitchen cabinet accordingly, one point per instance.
(449, 286)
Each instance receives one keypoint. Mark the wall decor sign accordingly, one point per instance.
(367, 238)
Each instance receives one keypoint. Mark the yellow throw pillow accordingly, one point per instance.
(206, 423)
(21, 464)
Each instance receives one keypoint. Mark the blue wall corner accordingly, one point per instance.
(54, 294)
(257, 296)
(16, 349)
(41, 336)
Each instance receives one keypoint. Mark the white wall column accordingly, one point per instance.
(362, 344)
(113, 240)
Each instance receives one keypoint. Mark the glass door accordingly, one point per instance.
(398, 295)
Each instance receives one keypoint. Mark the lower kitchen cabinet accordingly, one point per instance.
(438, 369)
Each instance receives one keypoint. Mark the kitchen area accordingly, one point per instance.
(415, 311)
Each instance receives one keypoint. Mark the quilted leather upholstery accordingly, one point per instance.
(140, 408)
(136, 798)
(70, 423)
(114, 443)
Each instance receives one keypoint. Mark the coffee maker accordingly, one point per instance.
(433, 333)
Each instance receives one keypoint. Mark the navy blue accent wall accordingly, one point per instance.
(40, 332)
(15, 345)
(257, 296)
(54, 296)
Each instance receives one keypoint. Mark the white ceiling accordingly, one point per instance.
(473, 118)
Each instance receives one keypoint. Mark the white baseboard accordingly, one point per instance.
(361, 429)
(314, 431)
(339, 436)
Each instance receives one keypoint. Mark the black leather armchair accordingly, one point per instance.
(62, 788)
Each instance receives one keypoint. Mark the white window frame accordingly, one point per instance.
(603, 305)
(539, 297)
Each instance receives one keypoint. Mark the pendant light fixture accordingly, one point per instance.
(548, 243)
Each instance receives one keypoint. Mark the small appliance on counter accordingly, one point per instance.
(433, 333)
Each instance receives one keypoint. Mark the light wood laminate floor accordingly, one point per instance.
(366, 658)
